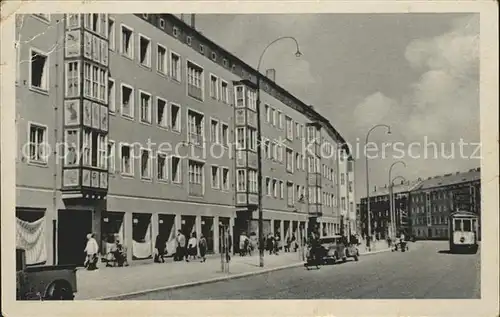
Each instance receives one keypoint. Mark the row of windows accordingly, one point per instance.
(167, 115)
(433, 195)
(435, 232)
(422, 209)
(168, 63)
(434, 220)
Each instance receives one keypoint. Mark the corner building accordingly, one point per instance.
(158, 127)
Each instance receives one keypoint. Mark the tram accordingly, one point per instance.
(463, 229)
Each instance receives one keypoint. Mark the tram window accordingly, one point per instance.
(457, 226)
(467, 225)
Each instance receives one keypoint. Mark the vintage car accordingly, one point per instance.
(337, 248)
(44, 282)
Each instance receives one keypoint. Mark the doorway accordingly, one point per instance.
(72, 229)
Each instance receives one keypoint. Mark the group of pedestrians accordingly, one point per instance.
(192, 248)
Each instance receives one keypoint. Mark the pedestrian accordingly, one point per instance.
(242, 244)
(270, 244)
(277, 243)
(181, 246)
(192, 246)
(294, 243)
(160, 248)
(91, 251)
(202, 244)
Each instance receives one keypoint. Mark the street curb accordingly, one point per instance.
(212, 280)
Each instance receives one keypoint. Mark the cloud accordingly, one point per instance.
(443, 104)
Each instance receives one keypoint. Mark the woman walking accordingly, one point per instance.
(192, 249)
(202, 244)
(91, 251)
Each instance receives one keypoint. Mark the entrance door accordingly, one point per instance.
(72, 229)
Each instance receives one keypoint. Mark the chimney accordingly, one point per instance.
(271, 74)
(402, 182)
(374, 188)
(193, 24)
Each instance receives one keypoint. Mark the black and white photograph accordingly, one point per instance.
(183, 155)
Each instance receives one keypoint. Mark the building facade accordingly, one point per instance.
(435, 198)
(134, 125)
(347, 194)
(379, 204)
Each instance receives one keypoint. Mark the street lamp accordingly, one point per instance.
(367, 174)
(391, 197)
(259, 145)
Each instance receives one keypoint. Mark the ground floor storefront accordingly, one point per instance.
(53, 229)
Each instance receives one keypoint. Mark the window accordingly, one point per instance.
(289, 128)
(311, 134)
(72, 79)
(175, 117)
(161, 59)
(273, 116)
(342, 179)
(111, 95)
(214, 131)
(176, 31)
(161, 165)
(343, 203)
(297, 161)
(290, 194)
(195, 81)
(111, 157)
(289, 160)
(195, 127)
(87, 148)
(102, 151)
(73, 20)
(297, 130)
(127, 101)
(252, 181)
(162, 23)
(275, 188)
(127, 41)
(176, 169)
(161, 112)
(145, 107)
(280, 120)
(202, 49)
(252, 139)
(298, 194)
(241, 185)
(282, 190)
(126, 156)
(279, 150)
(188, 40)
(224, 62)
(350, 186)
(214, 93)
(195, 172)
(225, 178)
(224, 93)
(111, 34)
(214, 56)
(95, 81)
(225, 134)
(175, 66)
(37, 137)
(39, 70)
(268, 113)
(144, 51)
(251, 99)
(267, 149)
(240, 138)
(268, 186)
(215, 177)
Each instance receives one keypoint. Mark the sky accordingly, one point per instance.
(418, 73)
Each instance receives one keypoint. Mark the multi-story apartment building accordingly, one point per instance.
(379, 205)
(435, 198)
(347, 194)
(135, 125)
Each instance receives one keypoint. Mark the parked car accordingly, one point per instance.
(337, 248)
(44, 282)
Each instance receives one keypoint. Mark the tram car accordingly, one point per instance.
(463, 229)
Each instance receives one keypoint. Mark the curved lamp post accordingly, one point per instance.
(391, 197)
(367, 175)
(259, 145)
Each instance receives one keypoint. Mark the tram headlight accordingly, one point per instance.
(462, 239)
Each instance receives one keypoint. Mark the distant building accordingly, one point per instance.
(435, 198)
(379, 205)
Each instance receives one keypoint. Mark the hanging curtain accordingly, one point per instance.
(143, 250)
(30, 237)
(171, 242)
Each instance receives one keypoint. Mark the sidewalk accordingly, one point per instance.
(109, 282)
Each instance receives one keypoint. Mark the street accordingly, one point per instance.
(427, 271)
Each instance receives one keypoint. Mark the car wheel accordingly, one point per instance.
(59, 291)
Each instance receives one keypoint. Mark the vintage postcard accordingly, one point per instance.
(239, 158)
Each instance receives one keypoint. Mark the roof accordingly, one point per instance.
(263, 78)
(450, 179)
(398, 188)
